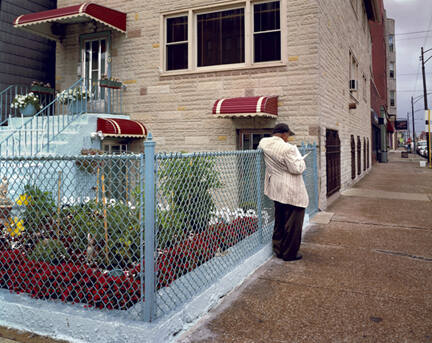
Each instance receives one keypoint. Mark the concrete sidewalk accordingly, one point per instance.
(366, 276)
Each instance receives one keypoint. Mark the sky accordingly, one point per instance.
(413, 21)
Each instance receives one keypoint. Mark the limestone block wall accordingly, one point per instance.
(312, 81)
(343, 28)
(177, 109)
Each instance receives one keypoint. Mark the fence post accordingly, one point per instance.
(315, 175)
(259, 193)
(149, 238)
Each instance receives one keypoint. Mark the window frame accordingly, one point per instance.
(392, 98)
(192, 14)
(392, 73)
(364, 78)
(391, 42)
(165, 40)
(354, 73)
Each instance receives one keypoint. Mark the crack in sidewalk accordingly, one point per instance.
(381, 224)
(403, 254)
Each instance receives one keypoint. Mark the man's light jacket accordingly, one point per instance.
(284, 168)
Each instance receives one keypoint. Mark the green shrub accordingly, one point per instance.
(185, 185)
(49, 250)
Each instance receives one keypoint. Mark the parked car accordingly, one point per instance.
(421, 148)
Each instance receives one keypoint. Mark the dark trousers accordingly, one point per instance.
(287, 230)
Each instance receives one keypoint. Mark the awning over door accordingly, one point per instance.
(257, 106)
(50, 24)
(111, 127)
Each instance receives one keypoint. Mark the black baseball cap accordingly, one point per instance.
(282, 128)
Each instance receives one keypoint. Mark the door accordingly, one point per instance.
(353, 168)
(333, 168)
(94, 65)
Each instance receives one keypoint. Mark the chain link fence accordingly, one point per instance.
(137, 235)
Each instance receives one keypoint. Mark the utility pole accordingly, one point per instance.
(413, 123)
(425, 99)
(424, 80)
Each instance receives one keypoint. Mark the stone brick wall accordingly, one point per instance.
(312, 84)
(391, 57)
(177, 109)
(343, 30)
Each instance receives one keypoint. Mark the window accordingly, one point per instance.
(391, 70)
(249, 139)
(391, 43)
(353, 73)
(221, 38)
(267, 35)
(114, 148)
(364, 87)
(230, 36)
(392, 98)
(177, 43)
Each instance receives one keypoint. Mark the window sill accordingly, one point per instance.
(222, 68)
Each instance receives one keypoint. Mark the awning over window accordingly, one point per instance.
(390, 127)
(257, 106)
(111, 127)
(49, 24)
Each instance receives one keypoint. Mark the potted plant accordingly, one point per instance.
(41, 87)
(74, 97)
(28, 104)
(111, 82)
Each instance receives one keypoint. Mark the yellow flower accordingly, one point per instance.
(23, 199)
(14, 226)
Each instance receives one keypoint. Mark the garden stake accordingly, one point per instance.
(58, 203)
(97, 185)
(105, 217)
(127, 183)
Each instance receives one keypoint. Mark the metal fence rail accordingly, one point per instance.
(138, 235)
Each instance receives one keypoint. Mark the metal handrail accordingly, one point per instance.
(6, 97)
(36, 133)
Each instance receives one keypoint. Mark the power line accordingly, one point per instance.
(411, 33)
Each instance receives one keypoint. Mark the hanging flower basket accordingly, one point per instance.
(110, 84)
(42, 89)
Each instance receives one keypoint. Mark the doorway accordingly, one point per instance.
(333, 165)
(95, 62)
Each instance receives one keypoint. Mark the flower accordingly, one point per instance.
(23, 199)
(22, 100)
(73, 94)
(41, 84)
(14, 226)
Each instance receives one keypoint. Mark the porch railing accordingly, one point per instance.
(37, 132)
(6, 97)
(105, 100)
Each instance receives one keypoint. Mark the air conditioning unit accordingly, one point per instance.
(353, 85)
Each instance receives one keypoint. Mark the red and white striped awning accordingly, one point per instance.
(40, 23)
(256, 106)
(111, 127)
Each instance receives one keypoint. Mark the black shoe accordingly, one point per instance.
(298, 257)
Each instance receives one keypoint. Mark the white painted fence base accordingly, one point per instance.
(73, 324)
(61, 321)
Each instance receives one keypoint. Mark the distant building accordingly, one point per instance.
(391, 78)
(382, 126)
